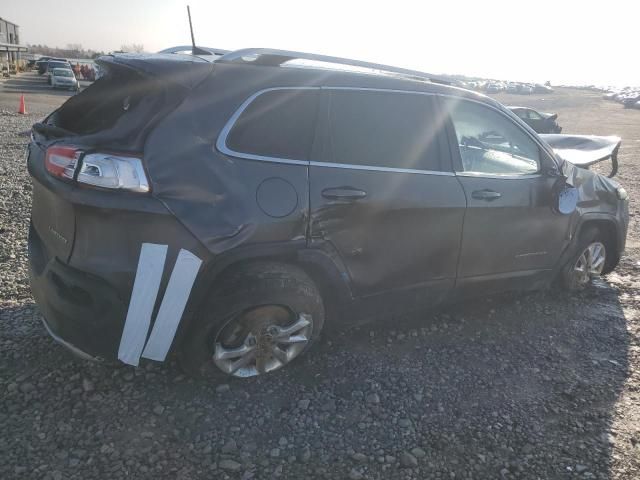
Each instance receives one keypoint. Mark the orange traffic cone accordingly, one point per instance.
(22, 108)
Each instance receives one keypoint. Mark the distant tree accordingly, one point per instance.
(73, 51)
(132, 48)
(74, 47)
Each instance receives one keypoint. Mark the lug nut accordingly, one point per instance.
(273, 330)
(251, 341)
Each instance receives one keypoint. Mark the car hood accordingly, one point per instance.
(583, 188)
(584, 150)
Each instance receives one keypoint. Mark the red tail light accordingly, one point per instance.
(103, 170)
(61, 162)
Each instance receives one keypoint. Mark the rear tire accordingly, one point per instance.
(259, 317)
(588, 261)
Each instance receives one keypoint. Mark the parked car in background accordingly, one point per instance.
(541, 122)
(539, 88)
(41, 64)
(630, 100)
(526, 89)
(512, 88)
(221, 210)
(56, 63)
(64, 78)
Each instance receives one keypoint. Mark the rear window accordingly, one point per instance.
(58, 65)
(58, 72)
(277, 123)
(384, 129)
(123, 101)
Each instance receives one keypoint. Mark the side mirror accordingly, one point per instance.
(564, 196)
(567, 200)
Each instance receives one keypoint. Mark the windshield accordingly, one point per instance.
(57, 64)
(63, 72)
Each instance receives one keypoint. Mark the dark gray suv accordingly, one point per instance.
(225, 211)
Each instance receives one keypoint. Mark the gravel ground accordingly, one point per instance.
(537, 386)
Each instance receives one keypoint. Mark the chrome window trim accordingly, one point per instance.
(369, 168)
(221, 142)
(496, 176)
(373, 89)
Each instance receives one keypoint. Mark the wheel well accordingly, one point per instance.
(330, 289)
(609, 234)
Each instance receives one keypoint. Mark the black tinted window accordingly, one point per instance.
(383, 129)
(280, 123)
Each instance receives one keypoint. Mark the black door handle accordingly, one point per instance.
(343, 193)
(485, 194)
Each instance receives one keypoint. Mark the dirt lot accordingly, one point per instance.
(537, 386)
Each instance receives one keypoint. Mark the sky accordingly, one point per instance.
(564, 41)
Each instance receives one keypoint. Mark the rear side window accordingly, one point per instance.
(278, 123)
(383, 129)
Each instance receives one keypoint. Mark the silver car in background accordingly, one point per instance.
(64, 78)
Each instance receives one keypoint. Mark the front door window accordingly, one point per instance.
(490, 143)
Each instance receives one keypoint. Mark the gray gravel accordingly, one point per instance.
(533, 386)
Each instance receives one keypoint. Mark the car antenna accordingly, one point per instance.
(195, 50)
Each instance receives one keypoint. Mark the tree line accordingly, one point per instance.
(75, 50)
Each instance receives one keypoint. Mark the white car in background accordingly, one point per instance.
(64, 78)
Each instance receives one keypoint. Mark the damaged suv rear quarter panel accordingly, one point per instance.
(212, 194)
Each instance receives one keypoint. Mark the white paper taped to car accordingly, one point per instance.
(173, 304)
(143, 299)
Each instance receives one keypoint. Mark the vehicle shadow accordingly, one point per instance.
(541, 372)
(513, 386)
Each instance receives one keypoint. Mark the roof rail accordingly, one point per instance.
(185, 48)
(272, 57)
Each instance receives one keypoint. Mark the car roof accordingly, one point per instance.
(341, 72)
(266, 68)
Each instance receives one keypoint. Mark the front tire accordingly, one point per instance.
(258, 319)
(587, 263)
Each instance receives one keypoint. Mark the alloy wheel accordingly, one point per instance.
(261, 340)
(590, 263)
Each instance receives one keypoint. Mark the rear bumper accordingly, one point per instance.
(81, 311)
(72, 348)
